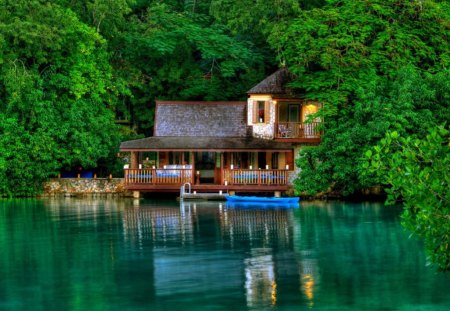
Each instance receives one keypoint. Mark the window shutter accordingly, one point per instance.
(266, 111)
(255, 112)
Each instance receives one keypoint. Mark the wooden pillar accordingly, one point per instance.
(136, 194)
(221, 168)
(269, 159)
(134, 159)
(277, 194)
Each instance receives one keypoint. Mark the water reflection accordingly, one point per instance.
(260, 283)
(163, 255)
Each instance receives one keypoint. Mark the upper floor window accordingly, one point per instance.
(261, 111)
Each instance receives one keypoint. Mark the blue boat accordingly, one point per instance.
(254, 199)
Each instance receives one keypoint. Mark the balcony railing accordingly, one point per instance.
(255, 177)
(297, 130)
(181, 176)
(158, 176)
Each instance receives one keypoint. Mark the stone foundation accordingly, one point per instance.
(85, 186)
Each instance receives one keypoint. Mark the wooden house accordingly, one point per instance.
(224, 146)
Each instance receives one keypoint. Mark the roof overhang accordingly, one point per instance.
(230, 144)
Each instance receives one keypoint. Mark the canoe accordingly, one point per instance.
(260, 205)
(254, 199)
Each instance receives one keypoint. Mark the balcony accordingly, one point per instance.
(297, 131)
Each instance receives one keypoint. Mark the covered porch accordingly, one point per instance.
(239, 164)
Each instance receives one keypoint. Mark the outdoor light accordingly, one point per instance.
(287, 166)
(231, 166)
(267, 166)
(251, 167)
(226, 183)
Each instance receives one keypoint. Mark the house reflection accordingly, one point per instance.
(160, 224)
(309, 278)
(255, 250)
(260, 283)
(257, 227)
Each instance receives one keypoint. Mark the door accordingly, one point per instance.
(204, 164)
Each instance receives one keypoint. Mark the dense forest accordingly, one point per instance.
(70, 70)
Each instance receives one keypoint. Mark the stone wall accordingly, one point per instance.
(85, 186)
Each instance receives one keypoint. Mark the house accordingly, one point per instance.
(224, 146)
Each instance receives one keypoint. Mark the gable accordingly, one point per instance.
(205, 119)
(274, 84)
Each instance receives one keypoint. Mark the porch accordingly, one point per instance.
(170, 179)
(209, 164)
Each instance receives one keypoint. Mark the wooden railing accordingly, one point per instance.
(297, 130)
(255, 177)
(158, 176)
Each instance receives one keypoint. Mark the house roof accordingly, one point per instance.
(273, 84)
(199, 118)
(204, 144)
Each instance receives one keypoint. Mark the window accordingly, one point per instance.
(261, 111)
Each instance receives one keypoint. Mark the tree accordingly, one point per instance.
(169, 49)
(348, 54)
(330, 49)
(418, 171)
(184, 56)
(409, 104)
(55, 99)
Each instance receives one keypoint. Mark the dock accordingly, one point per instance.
(203, 196)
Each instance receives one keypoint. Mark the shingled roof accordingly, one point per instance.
(204, 144)
(274, 84)
(196, 119)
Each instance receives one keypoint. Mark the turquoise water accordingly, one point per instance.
(74, 254)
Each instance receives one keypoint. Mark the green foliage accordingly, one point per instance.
(54, 83)
(374, 66)
(333, 48)
(261, 18)
(68, 67)
(409, 104)
(169, 49)
(183, 55)
(418, 171)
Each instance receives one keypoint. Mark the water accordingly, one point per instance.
(74, 254)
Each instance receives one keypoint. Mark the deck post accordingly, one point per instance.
(232, 192)
(277, 194)
(136, 194)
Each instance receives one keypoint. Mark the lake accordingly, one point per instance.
(124, 254)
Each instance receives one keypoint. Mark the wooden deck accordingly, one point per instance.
(236, 180)
(207, 188)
